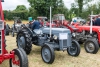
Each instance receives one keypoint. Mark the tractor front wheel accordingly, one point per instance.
(20, 59)
(91, 46)
(74, 50)
(47, 53)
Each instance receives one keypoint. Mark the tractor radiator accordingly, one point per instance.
(65, 42)
(1, 28)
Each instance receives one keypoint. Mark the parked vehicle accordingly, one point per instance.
(91, 41)
(16, 26)
(60, 40)
(42, 19)
(79, 19)
(17, 57)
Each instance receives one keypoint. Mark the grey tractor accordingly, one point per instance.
(58, 39)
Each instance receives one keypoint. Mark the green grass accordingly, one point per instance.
(62, 59)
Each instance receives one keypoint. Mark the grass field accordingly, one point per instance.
(62, 59)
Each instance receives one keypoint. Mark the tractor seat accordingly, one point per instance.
(38, 31)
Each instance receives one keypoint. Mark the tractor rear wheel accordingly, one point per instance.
(7, 29)
(20, 59)
(91, 46)
(74, 50)
(12, 33)
(47, 53)
(24, 41)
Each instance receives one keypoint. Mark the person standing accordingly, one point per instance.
(97, 21)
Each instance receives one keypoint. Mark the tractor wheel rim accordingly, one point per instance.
(90, 47)
(21, 42)
(73, 49)
(46, 54)
(16, 59)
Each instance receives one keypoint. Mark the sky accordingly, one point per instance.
(12, 4)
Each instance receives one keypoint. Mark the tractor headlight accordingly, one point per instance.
(55, 37)
(73, 34)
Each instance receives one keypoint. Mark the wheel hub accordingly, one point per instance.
(90, 47)
(16, 62)
(21, 42)
(73, 50)
(46, 54)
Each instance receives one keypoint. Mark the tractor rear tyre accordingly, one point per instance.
(7, 30)
(74, 50)
(91, 46)
(20, 59)
(47, 53)
(24, 41)
(12, 33)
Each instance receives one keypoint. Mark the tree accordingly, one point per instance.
(42, 6)
(21, 11)
(20, 8)
(32, 13)
(7, 15)
(80, 4)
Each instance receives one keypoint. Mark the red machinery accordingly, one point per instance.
(59, 19)
(82, 34)
(42, 20)
(17, 56)
(91, 40)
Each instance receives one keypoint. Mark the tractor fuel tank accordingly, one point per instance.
(55, 31)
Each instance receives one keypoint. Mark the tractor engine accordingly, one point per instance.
(79, 35)
(83, 36)
(18, 27)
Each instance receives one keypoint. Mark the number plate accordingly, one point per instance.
(63, 36)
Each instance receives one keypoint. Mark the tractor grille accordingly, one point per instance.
(1, 28)
(65, 43)
(0, 43)
(1, 25)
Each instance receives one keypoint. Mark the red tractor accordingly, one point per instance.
(81, 33)
(42, 20)
(57, 21)
(91, 40)
(17, 57)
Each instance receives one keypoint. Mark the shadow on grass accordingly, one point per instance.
(36, 50)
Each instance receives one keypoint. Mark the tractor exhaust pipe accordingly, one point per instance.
(50, 21)
(91, 23)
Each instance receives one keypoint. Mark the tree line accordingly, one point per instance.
(81, 8)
